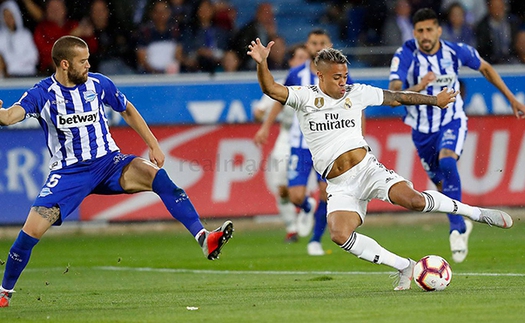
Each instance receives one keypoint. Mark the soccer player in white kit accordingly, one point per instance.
(330, 118)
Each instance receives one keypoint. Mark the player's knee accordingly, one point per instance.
(283, 192)
(448, 166)
(296, 199)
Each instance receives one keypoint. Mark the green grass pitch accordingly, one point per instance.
(162, 276)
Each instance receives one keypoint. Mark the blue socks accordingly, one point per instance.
(177, 202)
(305, 205)
(17, 259)
(320, 222)
(452, 188)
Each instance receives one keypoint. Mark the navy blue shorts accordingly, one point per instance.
(300, 166)
(428, 145)
(69, 186)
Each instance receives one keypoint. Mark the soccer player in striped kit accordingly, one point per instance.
(426, 65)
(70, 106)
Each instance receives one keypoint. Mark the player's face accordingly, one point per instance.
(332, 79)
(77, 71)
(427, 34)
(300, 56)
(317, 42)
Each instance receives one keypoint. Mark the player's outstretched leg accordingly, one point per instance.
(438, 202)
(368, 249)
(212, 242)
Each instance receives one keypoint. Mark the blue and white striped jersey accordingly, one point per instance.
(74, 119)
(409, 65)
(302, 75)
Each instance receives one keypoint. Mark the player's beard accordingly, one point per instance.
(428, 46)
(76, 77)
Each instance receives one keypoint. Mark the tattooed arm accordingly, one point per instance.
(397, 98)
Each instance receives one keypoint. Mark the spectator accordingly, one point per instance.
(33, 12)
(519, 48)
(55, 25)
(204, 42)
(263, 26)
(277, 59)
(181, 12)
(159, 49)
(230, 62)
(455, 29)
(225, 15)
(18, 53)
(113, 44)
(398, 26)
(475, 10)
(495, 33)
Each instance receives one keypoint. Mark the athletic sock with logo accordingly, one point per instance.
(18, 258)
(452, 188)
(177, 202)
(438, 202)
(368, 249)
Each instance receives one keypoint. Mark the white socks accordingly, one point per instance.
(438, 202)
(368, 249)
(288, 213)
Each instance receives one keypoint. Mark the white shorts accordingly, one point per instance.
(279, 159)
(352, 190)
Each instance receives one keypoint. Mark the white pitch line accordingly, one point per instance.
(271, 272)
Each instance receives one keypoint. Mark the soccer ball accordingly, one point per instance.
(432, 273)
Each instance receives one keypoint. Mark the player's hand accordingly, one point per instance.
(1, 104)
(517, 107)
(445, 97)
(427, 79)
(156, 156)
(257, 50)
(261, 137)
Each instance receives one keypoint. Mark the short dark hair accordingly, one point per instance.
(424, 14)
(330, 56)
(63, 48)
(318, 31)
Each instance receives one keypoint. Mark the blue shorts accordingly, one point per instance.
(428, 145)
(69, 186)
(300, 166)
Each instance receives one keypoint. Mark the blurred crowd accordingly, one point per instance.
(185, 36)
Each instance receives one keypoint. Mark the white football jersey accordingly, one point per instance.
(332, 126)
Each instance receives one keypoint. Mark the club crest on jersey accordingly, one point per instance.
(45, 192)
(348, 103)
(89, 95)
(319, 103)
(445, 62)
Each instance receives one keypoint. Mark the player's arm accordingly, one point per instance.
(261, 137)
(397, 85)
(493, 77)
(259, 53)
(133, 118)
(397, 98)
(11, 115)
